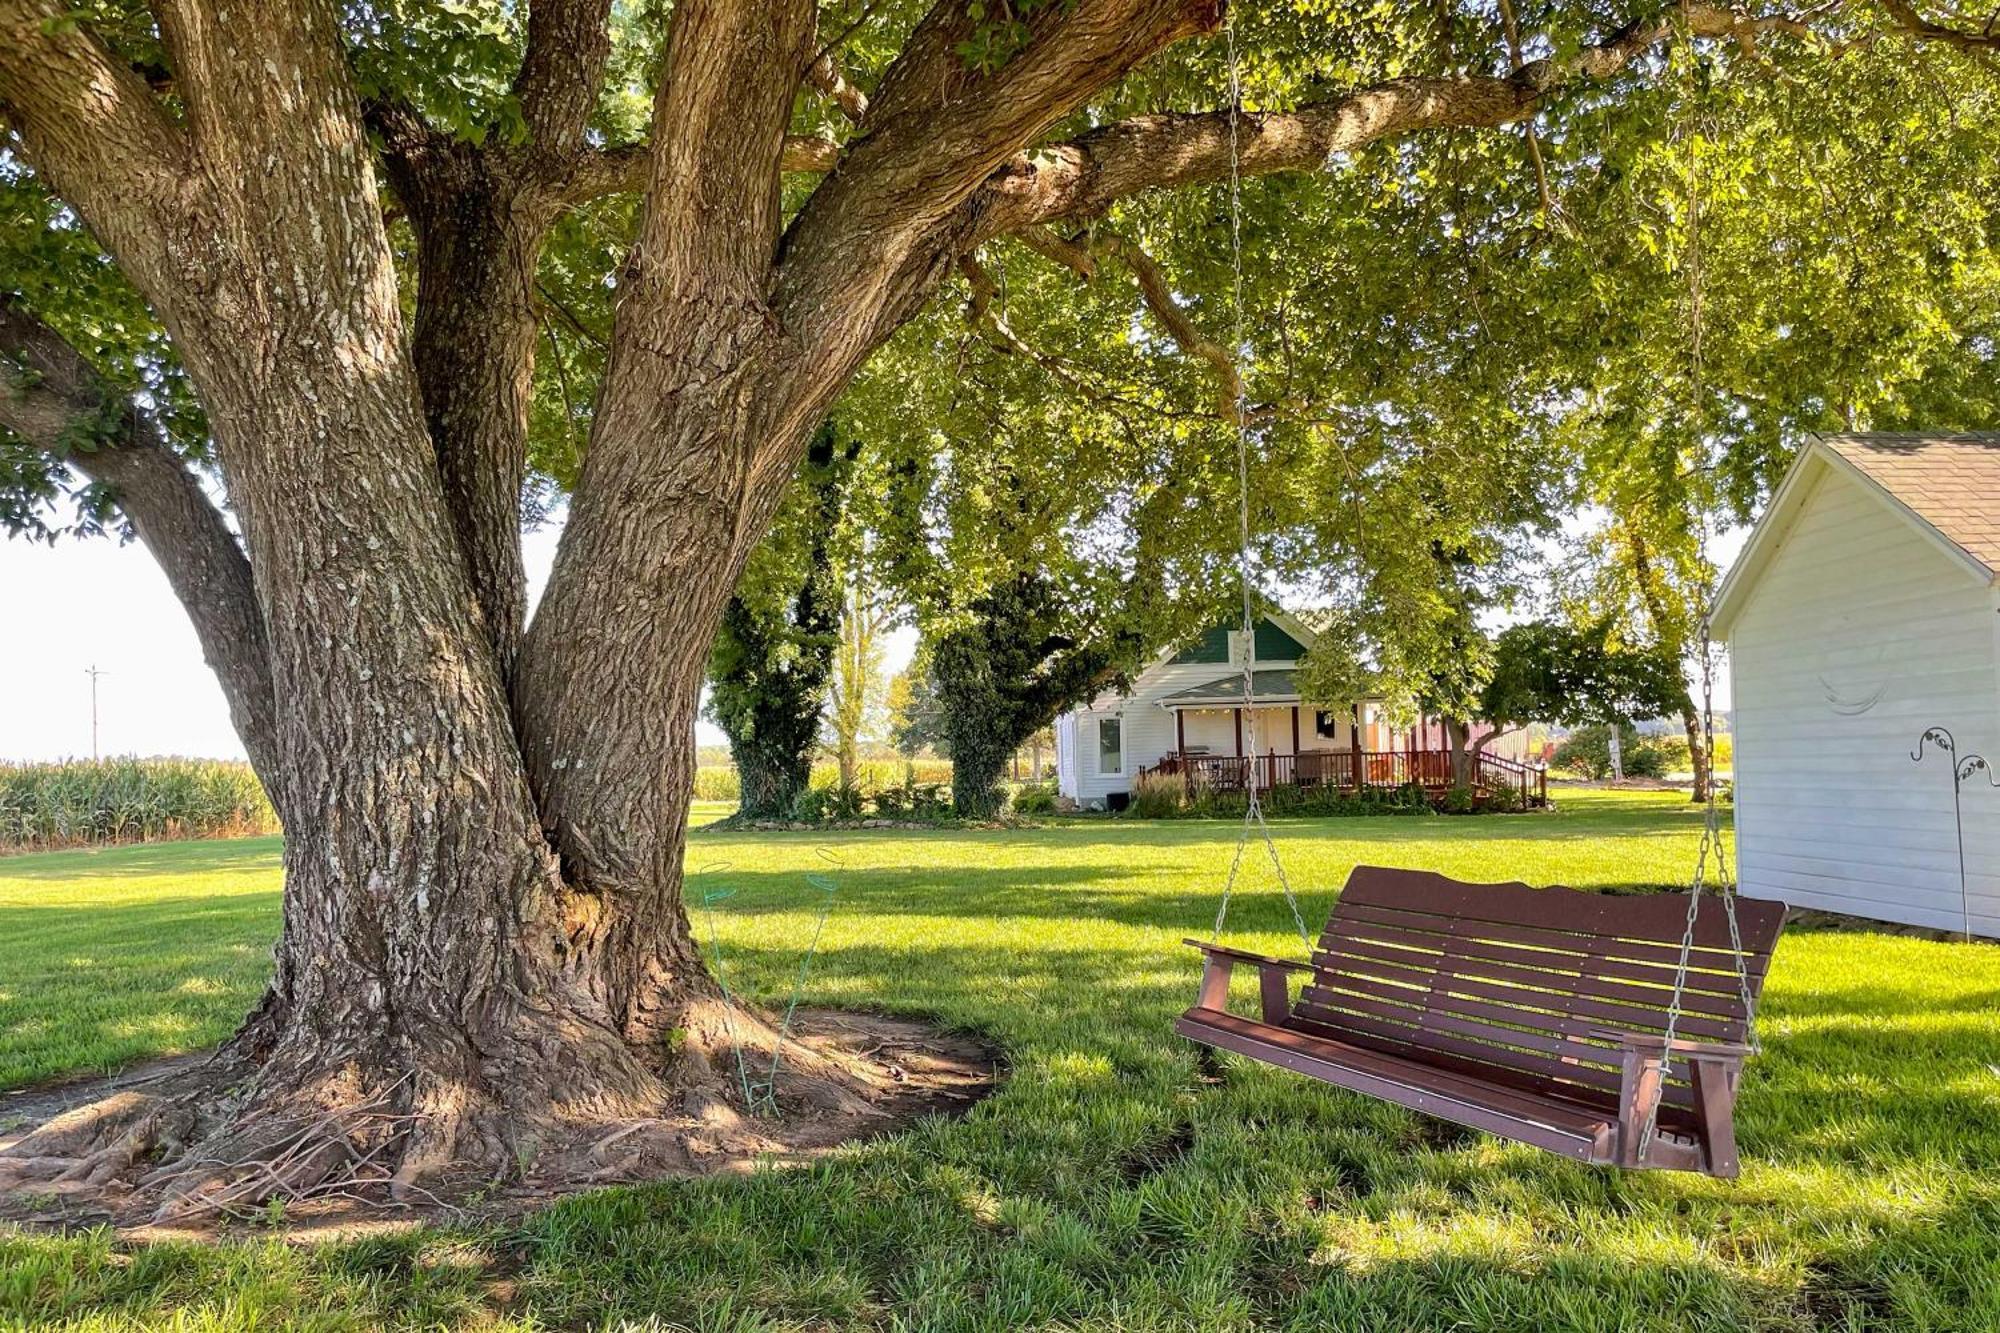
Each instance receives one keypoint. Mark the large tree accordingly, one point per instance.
(484, 950)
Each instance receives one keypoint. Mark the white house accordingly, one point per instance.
(1184, 717)
(1865, 610)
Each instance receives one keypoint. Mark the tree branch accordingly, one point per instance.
(625, 168)
(1907, 17)
(52, 399)
(92, 130)
(1086, 175)
(568, 43)
(1159, 298)
(827, 76)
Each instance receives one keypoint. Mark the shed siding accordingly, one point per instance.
(1858, 635)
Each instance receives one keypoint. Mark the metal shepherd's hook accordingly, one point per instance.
(1963, 767)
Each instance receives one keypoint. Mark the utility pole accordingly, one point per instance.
(93, 673)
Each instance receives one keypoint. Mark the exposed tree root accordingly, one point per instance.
(208, 1146)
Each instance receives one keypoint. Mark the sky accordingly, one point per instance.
(94, 603)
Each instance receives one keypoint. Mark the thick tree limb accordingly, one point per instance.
(93, 131)
(1086, 175)
(937, 129)
(53, 400)
(625, 168)
(568, 43)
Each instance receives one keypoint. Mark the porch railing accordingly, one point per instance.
(1429, 769)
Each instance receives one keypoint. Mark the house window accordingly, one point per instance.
(1326, 723)
(1110, 745)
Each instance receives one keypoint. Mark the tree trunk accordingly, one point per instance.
(1655, 596)
(1456, 733)
(1617, 751)
(1698, 756)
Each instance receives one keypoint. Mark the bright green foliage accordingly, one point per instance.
(774, 653)
(1447, 340)
(1114, 1181)
(1548, 671)
(1587, 750)
(81, 802)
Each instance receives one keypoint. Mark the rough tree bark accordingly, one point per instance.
(484, 944)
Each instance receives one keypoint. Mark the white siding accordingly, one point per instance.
(1066, 755)
(1858, 635)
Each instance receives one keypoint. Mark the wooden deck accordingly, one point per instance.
(1352, 770)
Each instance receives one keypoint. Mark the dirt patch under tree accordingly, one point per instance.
(891, 1070)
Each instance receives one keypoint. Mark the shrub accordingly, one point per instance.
(83, 802)
(1159, 796)
(1036, 799)
(822, 805)
(1647, 761)
(1587, 750)
(1460, 801)
(912, 800)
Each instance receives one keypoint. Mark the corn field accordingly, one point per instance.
(717, 782)
(84, 802)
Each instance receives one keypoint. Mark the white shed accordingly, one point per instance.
(1865, 610)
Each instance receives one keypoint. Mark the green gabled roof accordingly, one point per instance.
(1274, 684)
(1274, 644)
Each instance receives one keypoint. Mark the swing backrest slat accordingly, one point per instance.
(1519, 985)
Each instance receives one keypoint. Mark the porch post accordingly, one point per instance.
(1238, 711)
(1180, 732)
(1354, 743)
(1295, 735)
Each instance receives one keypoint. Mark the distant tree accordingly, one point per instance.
(774, 652)
(913, 711)
(1003, 673)
(1550, 671)
(854, 706)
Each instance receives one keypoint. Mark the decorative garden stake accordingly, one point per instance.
(1961, 769)
(760, 1094)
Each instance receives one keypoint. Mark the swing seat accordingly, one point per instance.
(1538, 1015)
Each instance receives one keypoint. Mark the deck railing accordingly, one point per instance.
(1429, 769)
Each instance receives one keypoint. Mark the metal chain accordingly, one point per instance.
(1711, 831)
(1253, 814)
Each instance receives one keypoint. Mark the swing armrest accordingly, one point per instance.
(1653, 1042)
(1243, 956)
(1274, 998)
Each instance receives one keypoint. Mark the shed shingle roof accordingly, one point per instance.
(1951, 482)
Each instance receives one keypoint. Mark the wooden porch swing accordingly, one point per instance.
(1608, 1029)
(1547, 1016)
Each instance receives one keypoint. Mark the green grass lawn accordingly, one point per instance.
(1106, 1185)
